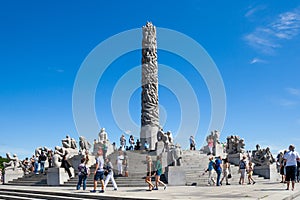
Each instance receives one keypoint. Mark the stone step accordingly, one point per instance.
(41, 194)
(26, 195)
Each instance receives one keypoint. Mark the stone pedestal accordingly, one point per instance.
(235, 158)
(175, 175)
(110, 148)
(57, 176)
(268, 172)
(149, 134)
(219, 150)
(11, 174)
(76, 160)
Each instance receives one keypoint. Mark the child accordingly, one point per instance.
(250, 172)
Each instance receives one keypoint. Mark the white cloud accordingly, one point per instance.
(267, 38)
(288, 103)
(253, 10)
(257, 60)
(60, 70)
(293, 91)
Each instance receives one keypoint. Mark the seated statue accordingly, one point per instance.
(69, 142)
(240, 146)
(13, 163)
(170, 137)
(56, 160)
(160, 134)
(61, 151)
(235, 144)
(84, 144)
(39, 150)
(263, 157)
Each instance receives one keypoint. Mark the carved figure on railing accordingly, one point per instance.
(13, 163)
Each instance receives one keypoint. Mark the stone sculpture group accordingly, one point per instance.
(235, 144)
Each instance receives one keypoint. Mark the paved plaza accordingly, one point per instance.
(266, 190)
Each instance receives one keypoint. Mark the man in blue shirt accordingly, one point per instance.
(218, 162)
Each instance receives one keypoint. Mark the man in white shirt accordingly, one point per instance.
(291, 158)
(99, 171)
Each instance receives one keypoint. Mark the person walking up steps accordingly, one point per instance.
(110, 174)
(158, 174)
(210, 170)
(149, 173)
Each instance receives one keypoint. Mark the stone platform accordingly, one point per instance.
(265, 191)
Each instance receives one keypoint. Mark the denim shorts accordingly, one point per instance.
(99, 175)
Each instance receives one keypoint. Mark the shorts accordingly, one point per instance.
(243, 173)
(99, 175)
(290, 173)
(152, 173)
(282, 170)
(158, 173)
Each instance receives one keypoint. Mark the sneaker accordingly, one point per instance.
(250, 183)
(165, 187)
(254, 182)
(227, 183)
(101, 191)
(115, 189)
(155, 188)
(93, 191)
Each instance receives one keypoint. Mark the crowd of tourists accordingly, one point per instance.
(288, 166)
(37, 162)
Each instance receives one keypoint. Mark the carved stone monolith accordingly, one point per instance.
(150, 111)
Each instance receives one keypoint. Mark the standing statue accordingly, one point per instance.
(13, 163)
(102, 135)
(171, 155)
(177, 154)
(215, 135)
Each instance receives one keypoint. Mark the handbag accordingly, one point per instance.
(229, 176)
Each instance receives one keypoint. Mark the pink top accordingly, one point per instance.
(210, 142)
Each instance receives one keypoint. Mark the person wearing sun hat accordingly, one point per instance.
(291, 157)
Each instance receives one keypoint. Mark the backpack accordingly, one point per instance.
(242, 164)
(84, 171)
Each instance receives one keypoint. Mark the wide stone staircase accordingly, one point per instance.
(194, 164)
(136, 169)
(30, 180)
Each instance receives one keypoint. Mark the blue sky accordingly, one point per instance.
(254, 44)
